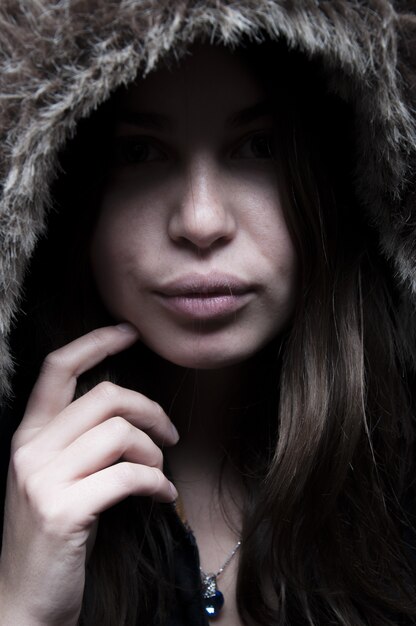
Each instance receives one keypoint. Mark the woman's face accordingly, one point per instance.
(191, 245)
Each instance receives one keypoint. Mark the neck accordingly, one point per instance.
(207, 406)
(213, 411)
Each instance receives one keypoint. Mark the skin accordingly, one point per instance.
(62, 476)
(210, 203)
(199, 198)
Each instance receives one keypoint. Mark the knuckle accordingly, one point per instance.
(160, 415)
(119, 428)
(108, 390)
(51, 515)
(157, 481)
(125, 475)
(50, 511)
(152, 424)
(54, 361)
(20, 462)
(34, 489)
(156, 417)
(158, 458)
(15, 443)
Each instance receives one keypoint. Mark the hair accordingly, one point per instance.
(326, 520)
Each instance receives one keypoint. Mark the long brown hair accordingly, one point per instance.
(325, 528)
(333, 497)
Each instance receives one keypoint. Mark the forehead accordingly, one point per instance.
(209, 80)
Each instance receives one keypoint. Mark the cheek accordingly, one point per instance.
(284, 257)
(270, 235)
(108, 251)
(112, 254)
(128, 226)
(281, 265)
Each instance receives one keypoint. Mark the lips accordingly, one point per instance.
(197, 296)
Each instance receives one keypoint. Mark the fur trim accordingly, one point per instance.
(60, 60)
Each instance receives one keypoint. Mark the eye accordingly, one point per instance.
(134, 150)
(258, 146)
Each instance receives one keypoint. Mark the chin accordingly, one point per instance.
(205, 362)
(209, 355)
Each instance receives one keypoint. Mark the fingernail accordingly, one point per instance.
(173, 490)
(175, 433)
(126, 327)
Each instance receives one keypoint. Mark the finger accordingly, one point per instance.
(97, 492)
(55, 386)
(103, 402)
(103, 446)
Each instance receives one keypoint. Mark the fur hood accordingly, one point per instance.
(60, 60)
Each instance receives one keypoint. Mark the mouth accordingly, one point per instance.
(196, 296)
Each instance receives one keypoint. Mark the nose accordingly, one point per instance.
(202, 215)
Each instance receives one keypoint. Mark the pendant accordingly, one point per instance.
(213, 598)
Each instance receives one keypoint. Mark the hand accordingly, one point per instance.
(71, 460)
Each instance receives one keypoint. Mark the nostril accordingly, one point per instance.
(203, 245)
(202, 226)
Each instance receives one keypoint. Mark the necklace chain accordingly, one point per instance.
(227, 562)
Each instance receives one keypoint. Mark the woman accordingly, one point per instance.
(218, 247)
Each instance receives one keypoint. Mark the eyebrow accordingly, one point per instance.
(145, 119)
(157, 121)
(251, 113)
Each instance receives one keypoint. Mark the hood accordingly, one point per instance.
(60, 60)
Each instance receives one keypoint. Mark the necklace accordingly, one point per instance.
(213, 598)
